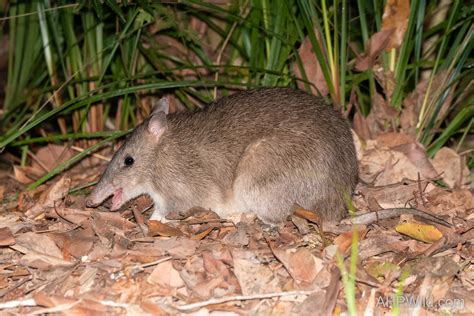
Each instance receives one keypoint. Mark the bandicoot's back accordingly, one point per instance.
(258, 151)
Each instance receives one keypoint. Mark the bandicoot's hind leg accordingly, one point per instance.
(270, 178)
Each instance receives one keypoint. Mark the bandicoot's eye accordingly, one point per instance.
(128, 161)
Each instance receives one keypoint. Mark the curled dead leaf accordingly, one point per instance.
(157, 228)
(308, 215)
(344, 240)
(311, 67)
(377, 44)
(6, 237)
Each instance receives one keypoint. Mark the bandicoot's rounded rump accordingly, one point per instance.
(256, 151)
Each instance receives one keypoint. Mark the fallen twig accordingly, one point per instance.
(214, 301)
(372, 217)
(17, 303)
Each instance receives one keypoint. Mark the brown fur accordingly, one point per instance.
(257, 151)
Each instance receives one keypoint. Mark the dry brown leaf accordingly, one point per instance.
(156, 228)
(344, 240)
(207, 288)
(202, 285)
(451, 167)
(76, 243)
(386, 80)
(305, 266)
(361, 126)
(308, 215)
(311, 305)
(6, 237)
(301, 224)
(177, 247)
(382, 116)
(39, 251)
(457, 203)
(13, 221)
(302, 265)
(395, 195)
(70, 306)
(375, 245)
(392, 140)
(150, 307)
(417, 155)
(413, 150)
(49, 157)
(239, 236)
(411, 110)
(449, 240)
(72, 215)
(377, 43)
(254, 277)
(436, 266)
(112, 220)
(311, 67)
(395, 17)
(110, 229)
(394, 158)
(214, 266)
(24, 175)
(203, 233)
(165, 274)
(50, 198)
(384, 167)
(321, 302)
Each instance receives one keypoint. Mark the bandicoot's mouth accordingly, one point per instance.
(117, 199)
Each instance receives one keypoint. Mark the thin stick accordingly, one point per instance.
(55, 309)
(214, 301)
(17, 303)
(154, 263)
(79, 149)
(141, 267)
(17, 285)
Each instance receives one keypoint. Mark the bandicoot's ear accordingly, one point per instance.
(163, 105)
(157, 124)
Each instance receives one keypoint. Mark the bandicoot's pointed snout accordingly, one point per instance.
(99, 194)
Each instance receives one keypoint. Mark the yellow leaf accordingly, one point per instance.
(425, 233)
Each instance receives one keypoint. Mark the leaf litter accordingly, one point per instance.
(59, 256)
